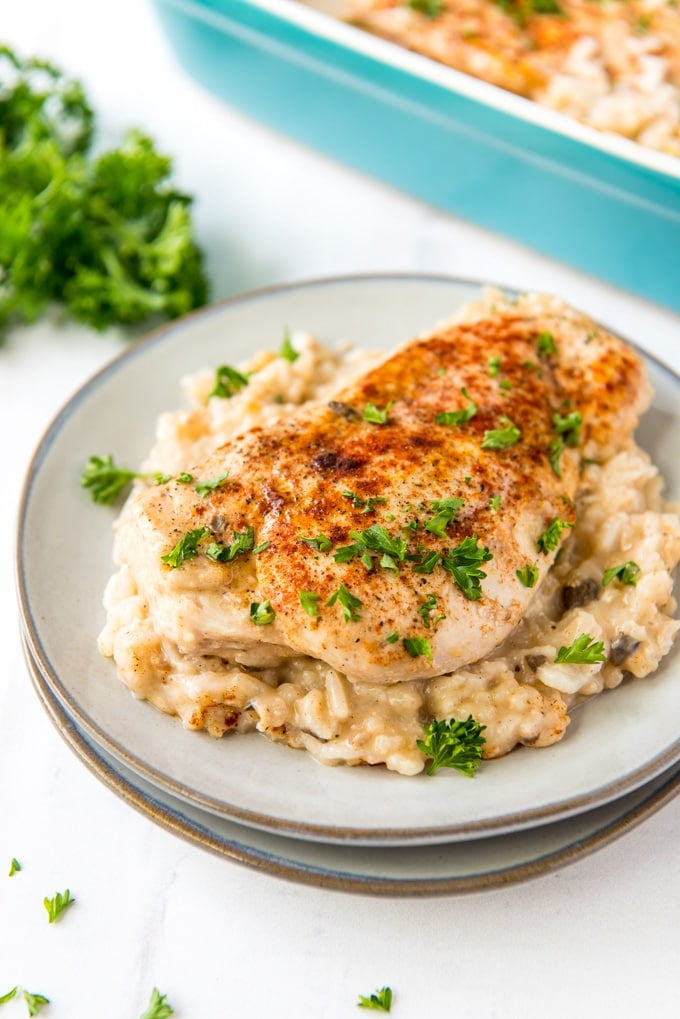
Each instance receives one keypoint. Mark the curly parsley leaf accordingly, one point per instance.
(14, 867)
(204, 488)
(375, 416)
(35, 1002)
(453, 744)
(287, 351)
(228, 382)
(502, 438)
(381, 1001)
(158, 1007)
(186, 548)
(458, 417)
(552, 536)
(57, 905)
(349, 604)
(262, 613)
(583, 651)
(464, 563)
(626, 573)
(528, 575)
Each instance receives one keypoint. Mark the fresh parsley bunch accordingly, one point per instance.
(109, 236)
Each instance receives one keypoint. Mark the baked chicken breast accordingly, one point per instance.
(400, 530)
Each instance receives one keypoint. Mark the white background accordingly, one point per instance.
(596, 939)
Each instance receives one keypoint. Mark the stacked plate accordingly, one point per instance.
(262, 804)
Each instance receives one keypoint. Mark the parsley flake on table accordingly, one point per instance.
(528, 575)
(57, 905)
(8, 997)
(381, 1000)
(626, 573)
(552, 536)
(186, 548)
(108, 237)
(158, 1007)
(14, 867)
(417, 647)
(374, 415)
(228, 382)
(349, 603)
(453, 744)
(458, 417)
(262, 613)
(501, 438)
(310, 603)
(464, 563)
(287, 351)
(582, 651)
(445, 513)
(204, 488)
(35, 1002)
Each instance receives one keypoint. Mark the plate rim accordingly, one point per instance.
(276, 865)
(394, 836)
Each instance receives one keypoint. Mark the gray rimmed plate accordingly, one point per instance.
(619, 742)
(475, 865)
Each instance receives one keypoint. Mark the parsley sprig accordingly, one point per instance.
(453, 744)
(57, 905)
(381, 1000)
(582, 651)
(105, 479)
(158, 1007)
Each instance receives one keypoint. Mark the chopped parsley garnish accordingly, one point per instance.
(228, 382)
(528, 575)
(502, 438)
(244, 542)
(505, 384)
(14, 867)
(374, 415)
(262, 613)
(185, 478)
(583, 651)
(321, 543)
(57, 905)
(627, 573)
(494, 366)
(186, 547)
(555, 450)
(287, 351)
(453, 744)
(569, 427)
(158, 1007)
(545, 342)
(430, 8)
(381, 1001)
(495, 503)
(375, 539)
(350, 605)
(105, 480)
(428, 564)
(365, 505)
(464, 563)
(310, 603)
(8, 997)
(458, 417)
(552, 536)
(426, 610)
(417, 647)
(35, 1002)
(210, 484)
(445, 510)
(162, 479)
(392, 637)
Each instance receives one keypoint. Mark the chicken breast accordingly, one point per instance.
(399, 531)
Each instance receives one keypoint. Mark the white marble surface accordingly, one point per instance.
(596, 939)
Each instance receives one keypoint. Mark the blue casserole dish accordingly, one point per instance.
(599, 202)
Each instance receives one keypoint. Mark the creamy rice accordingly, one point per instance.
(518, 692)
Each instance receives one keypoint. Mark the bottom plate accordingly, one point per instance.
(459, 867)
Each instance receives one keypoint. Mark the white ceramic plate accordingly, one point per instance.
(459, 867)
(620, 741)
